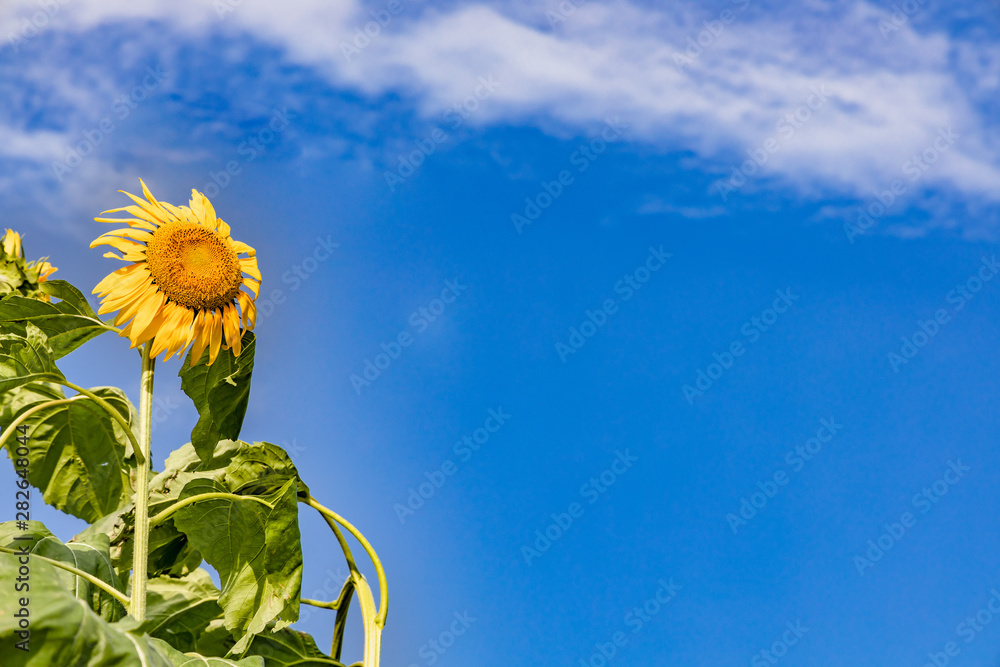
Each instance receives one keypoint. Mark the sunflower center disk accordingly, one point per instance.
(194, 266)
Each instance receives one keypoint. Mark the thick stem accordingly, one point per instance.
(140, 549)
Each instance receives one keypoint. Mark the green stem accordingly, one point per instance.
(140, 554)
(340, 624)
(344, 546)
(322, 605)
(104, 586)
(27, 413)
(380, 617)
(114, 414)
(165, 514)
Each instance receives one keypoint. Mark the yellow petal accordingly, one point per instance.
(215, 336)
(203, 209)
(241, 247)
(114, 278)
(231, 326)
(253, 285)
(249, 265)
(155, 213)
(199, 337)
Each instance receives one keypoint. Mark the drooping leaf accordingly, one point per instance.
(25, 358)
(77, 454)
(290, 648)
(91, 556)
(68, 323)
(248, 469)
(257, 469)
(65, 632)
(179, 610)
(12, 402)
(256, 551)
(220, 393)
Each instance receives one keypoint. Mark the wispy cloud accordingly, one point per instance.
(716, 84)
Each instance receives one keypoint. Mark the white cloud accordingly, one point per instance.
(888, 95)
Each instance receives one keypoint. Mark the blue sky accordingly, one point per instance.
(375, 179)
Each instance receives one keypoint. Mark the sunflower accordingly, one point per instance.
(183, 286)
(18, 275)
(12, 244)
(44, 270)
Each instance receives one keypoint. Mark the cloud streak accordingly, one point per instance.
(713, 84)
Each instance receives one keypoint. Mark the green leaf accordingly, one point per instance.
(288, 648)
(220, 393)
(215, 639)
(12, 402)
(196, 660)
(91, 556)
(256, 551)
(65, 632)
(25, 358)
(68, 323)
(77, 455)
(179, 610)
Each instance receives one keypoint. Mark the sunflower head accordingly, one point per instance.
(184, 283)
(17, 275)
